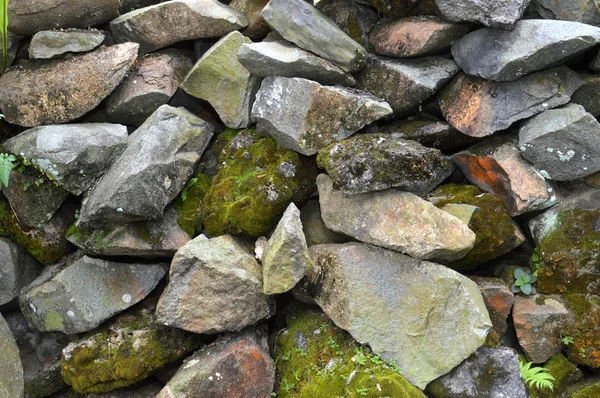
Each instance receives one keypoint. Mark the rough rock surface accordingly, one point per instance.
(11, 375)
(499, 300)
(159, 159)
(51, 43)
(533, 45)
(563, 143)
(222, 275)
(502, 15)
(588, 95)
(429, 318)
(584, 11)
(305, 116)
(496, 166)
(235, 366)
(229, 90)
(279, 58)
(371, 162)
(252, 9)
(353, 18)
(17, 270)
(479, 107)
(285, 259)
(87, 292)
(150, 84)
(396, 220)
(405, 84)
(58, 91)
(471, 379)
(302, 24)
(315, 231)
(177, 20)
(73, 155)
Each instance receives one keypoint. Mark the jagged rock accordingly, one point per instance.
(314, 228)
(499, 300)
(388, 300)
(256, 181)
(354, 19)
(479, 107)
(496, 166)
(496, 232)
(87, 292)
(371, 162)
(58, 91)
(163, 24)
(471, 379)
(406, 83)
(124, 352)
(150, 239)
(25, 17)
(73, 155)
(150, 84)
(235, 366)
(414, 36)
(584, 11)
(17, 270)
(502, 15)
(229, 90)
(533, 45)
(305, 116)
(563, 143)
(252, 9)
(33, 197)
(40, 354)
(302, 24)
(278, 58)
(429, 133)
(396, 220)
(538, 326)
(588, 95)
(51, 43)
(11, 374)
(285, 259)
(159, 159)
(221, 274)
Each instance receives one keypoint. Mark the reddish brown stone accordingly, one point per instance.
(498, 300)
(413, 36)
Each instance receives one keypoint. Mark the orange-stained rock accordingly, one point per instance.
(498, 300)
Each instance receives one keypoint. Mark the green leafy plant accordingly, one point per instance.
(536, 376)
(363, 391)
(7, 163)
(567, 340)
(524, 281)
(4, 31)
(582, 353)
(187, 187)
(332, 344)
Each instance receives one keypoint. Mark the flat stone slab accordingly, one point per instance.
(498, 15)
(52, 43)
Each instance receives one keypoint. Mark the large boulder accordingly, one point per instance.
(424, 316)
(11, 374)
(59, 91)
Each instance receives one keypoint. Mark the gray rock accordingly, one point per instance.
(405, 84)
(58, 91)
(479, 107)
(18, 269)
(149, 239)
(163, 24)
(471, 379)
(11, 375)
(424, 316)
(497, 166)
(73, 155)
(151, 83)
(562, 143)
(354, 19)
(302, 24)
(584, 11)
(158, 161)
(236, 365)
(230, 90)
(29, 16)
(502, 15)
(51, 43)
(588, 95)
(305, 116)
(279, 58)
(285, 259)
(222, 275)
(86, 293)
(315, 231)
(257, 27)
(595, 64)
(371, 162)
(533, 45)
(396, 220)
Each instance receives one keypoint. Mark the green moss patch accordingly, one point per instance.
(189, 204)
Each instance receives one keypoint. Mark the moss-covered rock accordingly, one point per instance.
(496, 232)
(189, 204)
(583, 328)
(314, 358)
(256, 181)
(564, 372)
(125, 352)
(588, 391)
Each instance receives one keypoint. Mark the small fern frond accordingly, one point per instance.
(7, 163)
(536, 376)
